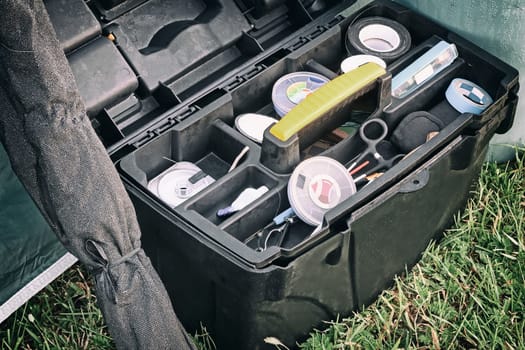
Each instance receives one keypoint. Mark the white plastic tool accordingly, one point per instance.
(245, 198)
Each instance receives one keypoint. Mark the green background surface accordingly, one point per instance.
(27, 244)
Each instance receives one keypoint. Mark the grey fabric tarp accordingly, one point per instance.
(64, 167)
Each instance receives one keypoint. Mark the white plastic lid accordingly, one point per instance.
(253, 125)
(317, 185)
(357, 61)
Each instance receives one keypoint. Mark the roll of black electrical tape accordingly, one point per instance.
(378, 36)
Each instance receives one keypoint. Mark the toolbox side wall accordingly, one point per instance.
(238, 304)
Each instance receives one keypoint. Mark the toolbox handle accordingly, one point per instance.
(320, 112)
(346, 87)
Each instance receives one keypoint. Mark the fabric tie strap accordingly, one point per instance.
(103, 267)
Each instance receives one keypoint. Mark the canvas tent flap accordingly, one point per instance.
(30, 253)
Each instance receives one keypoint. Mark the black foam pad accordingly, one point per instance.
(413, 130)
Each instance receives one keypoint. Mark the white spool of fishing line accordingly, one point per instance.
(179, 182)
(317, 185)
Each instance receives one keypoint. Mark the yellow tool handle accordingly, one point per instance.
(325, 98)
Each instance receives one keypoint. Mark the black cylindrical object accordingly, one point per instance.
(378, 36)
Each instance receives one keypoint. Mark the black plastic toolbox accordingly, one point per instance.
(164, 80)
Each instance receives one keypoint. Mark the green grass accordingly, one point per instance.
(468, 291)
(63, 316)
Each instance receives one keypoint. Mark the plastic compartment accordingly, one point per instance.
(165, 40)
(424, 35)
(73, 22)
(103, 76)
(227, 191)
(213, 148)
(242, 226)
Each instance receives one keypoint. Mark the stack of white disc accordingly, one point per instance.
(292, 88)
(173, 186)
(317, 185)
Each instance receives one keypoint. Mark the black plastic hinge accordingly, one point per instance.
(252, 72)
(240, 79)
(334, 21)
(301, 41)
(167, 125)
(318, 31)
(232, 85)
(149, 135)
(186, 113)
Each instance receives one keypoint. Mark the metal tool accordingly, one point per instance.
(280, 230)
(366, 135)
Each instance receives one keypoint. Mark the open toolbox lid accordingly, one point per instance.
(135, 60)
(148, 91)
